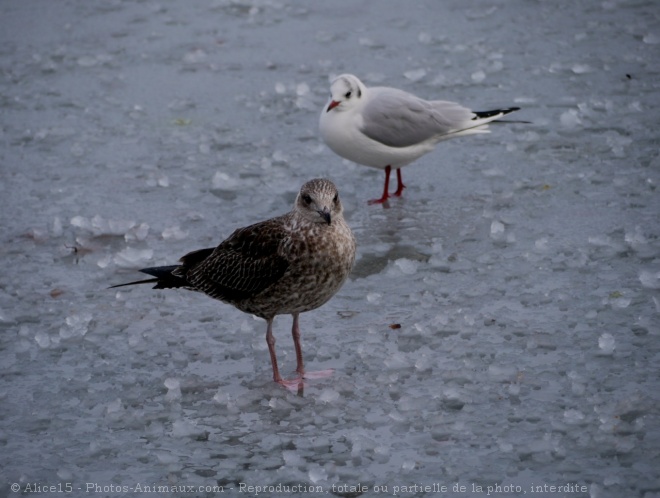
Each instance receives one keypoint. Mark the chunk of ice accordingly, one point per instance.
(305, 102)
(174, 233)
(173, 389)
(407, 266)
(573, 416)
(581, 68)
(496, 228)
(302, 89)
(115, 406)
(617, 142)
(425, 38)
(570, 119)
(369, 42)
(185, 428)
(478, 76)
(132, 257)
(606, 343)
(635, 238)
(137, 233)
(502, 373)
(292, 458)
(65, 474)
(396, 361)
(87, 61)
(329, 396)
(76, 325)
(317, 473)
(195, 56)
(651, 39)
(618, 301)
(650, 279)
(415, 75)
(42, 338)
(99, 226)
(280, 157)
(374, 297)
(541, 244)
(222, 180)
(423, 364)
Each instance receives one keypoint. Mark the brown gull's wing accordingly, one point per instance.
(243, 265)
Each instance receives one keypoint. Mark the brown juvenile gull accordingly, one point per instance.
(388, 128)
(285, 265)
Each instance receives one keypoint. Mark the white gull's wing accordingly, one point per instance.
(399, 119)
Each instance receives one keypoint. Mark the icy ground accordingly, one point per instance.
(502, 323)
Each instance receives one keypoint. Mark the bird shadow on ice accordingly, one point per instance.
(386, 235)
(372, 263)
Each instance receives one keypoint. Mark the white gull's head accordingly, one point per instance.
(346, 92)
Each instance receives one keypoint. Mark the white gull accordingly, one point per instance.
(388, 128)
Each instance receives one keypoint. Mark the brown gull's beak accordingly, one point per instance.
(325, 214)
(332, 105)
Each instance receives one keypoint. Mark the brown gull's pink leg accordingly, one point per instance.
(270, 340)
(295, 384)
(300, 368)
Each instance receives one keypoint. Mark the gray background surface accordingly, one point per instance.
(522, 266)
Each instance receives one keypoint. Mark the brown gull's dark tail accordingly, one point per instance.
(164, 278)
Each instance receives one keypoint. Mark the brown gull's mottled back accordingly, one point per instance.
(285, 265)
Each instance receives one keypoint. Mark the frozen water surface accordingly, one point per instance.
(501, 326)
